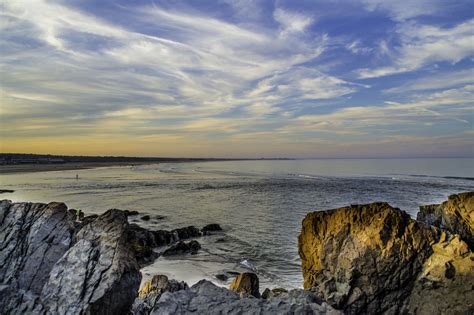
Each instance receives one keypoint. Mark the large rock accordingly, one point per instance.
(34, 237)
(99, 274)
(371, 258)
(455, 215)
(246, 283)
(207, 298)
(52, 264)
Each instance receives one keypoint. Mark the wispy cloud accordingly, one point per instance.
(422, 44)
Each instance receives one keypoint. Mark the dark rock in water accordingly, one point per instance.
(211, 228)
(222, 277)
(52, 265)
(207, 298)
(455, 215)
(246, 283)
(130, 213)
(159, 217)
(186, 232)
(3, 191)
(376, 259)
(181, 247)
(146, 218)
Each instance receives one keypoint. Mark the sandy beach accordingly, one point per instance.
(28, 168)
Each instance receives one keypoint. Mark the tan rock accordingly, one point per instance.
(455, 215)
(246, 283)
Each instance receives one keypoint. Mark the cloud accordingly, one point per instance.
(422, 45)
(401, 10)
(291, 22)
(441, 80)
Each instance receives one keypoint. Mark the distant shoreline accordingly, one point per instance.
(34, 168)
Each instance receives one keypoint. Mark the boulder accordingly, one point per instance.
(372, 258)
(246, 283)
(455, 215)
(146, 218)
(181, 247)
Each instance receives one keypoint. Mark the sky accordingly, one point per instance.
(238, 78)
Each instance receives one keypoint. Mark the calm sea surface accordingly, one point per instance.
(260, 204)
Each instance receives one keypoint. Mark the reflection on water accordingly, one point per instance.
(260, 204)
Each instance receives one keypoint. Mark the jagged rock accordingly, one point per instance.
(445, 285)
(34, 237)
(99, 274)
(455, 215)
(246, 283)
(369, 259)
(207, 298)
(208, 229)
(53, 264)
(181, 247)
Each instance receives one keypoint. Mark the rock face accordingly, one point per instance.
(455, 215)
(376, 259)
(207, 298)
(105, 281)
(246, 283)
(52, 264)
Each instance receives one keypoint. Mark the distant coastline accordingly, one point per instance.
(11, 163)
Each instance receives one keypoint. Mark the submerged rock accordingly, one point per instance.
(376, 259)
(208, 229)
(246, 283)
(455, 215)
(181, 247)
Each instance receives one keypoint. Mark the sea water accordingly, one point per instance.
(260, 204)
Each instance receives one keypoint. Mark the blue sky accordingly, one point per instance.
(365, 78)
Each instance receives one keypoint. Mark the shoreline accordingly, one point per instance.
(35, 168)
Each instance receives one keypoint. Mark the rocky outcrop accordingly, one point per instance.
(246, 283)
(52, 264)
(105, 280)
(207, 298)
(376, 259)
(455, 215)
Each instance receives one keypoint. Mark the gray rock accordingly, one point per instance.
(99, 274)
(207, 298)
(53, 264)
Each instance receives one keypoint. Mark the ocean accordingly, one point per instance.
(260, 204)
